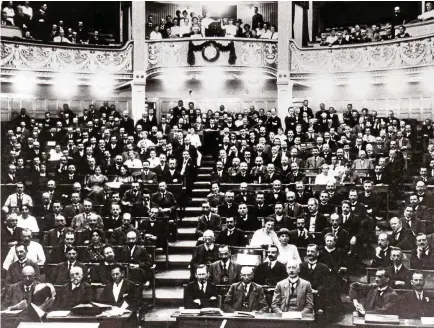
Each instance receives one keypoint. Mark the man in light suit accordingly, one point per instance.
(17, 199)
(315, 161)
(61, 271)
(379, 297)
(121, 292)
(417, 302)
(224, 271)
(80, 222)
(294, 293)
(245, 295)
(74, 208)
(147, 176)
(208, 221)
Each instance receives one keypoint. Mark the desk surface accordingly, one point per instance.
(87, 318)
(234, 316)
(360, 321)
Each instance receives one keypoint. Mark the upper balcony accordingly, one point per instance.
(406, 54)
(192, 55)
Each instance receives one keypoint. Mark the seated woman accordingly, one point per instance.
(56, 153)
(154, 161)
(132, 162)
(123, 176)
(27, 221)
(95, 183)
(323, 178)
(93, 252)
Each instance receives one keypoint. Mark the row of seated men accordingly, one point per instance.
(311, 286)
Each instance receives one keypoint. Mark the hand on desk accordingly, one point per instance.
(399, 283)
(314, 291)
(359, 307)
(197, 301)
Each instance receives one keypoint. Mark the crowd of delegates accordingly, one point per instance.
(185, 25)
(84, 181)
(357, 34)
(39, 25)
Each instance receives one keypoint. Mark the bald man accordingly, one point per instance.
(245, 295)
(75, 292)
(21, 291)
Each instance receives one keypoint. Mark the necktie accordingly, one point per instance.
(201, 287)
(293, 284)
(419, 296)
(310, 267)
(269, 265)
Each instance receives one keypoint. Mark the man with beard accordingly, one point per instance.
(301, 237)
(326, 297)
(75, 292)
(400, 237)
(245, 295)
(35, 252)
(102, 273)
(155, 229)
(61, 274)
(418, 302)
(200, 292)
(206, 253)
(224, 271)
(422, 257)
(231, 236)
(119, 235)
(55, 236)
(399, 275)
(13, 274)
(382, 252)
(270, 272)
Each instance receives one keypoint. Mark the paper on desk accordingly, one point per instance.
(10, 311)
(114, 312)
(427, 321)
(58, 314)
(189, 311)
(245, 314)
(291, 315)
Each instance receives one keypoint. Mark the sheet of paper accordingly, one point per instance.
(429, 321)
(10, 311)
(291, 315)
(58, 314)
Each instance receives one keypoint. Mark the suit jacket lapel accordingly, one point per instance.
(299, 293)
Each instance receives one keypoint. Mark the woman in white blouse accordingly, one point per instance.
(132, 162)
(153, 159)
(26, 221)
(155, 34)
(195, 141)
(286, 251)
(323, 178)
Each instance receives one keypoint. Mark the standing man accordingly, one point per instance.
(256, 18)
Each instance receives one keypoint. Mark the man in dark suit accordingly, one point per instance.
(382, 258)
(379, 298)
(409, 221)
(224, 271)
(21, 291)
(172, 175)
(10, 233)
(301, 237)
(208, 221)
(127, 122)
(147, 176)
(101, 273)
(276, 194)
(219, 174)
(200, 292)
(245, 295)
(245, 220)
(425, 197)
(188, 169)
(119, 234)
(244, 196)
(281, 219)
(164, 199)
(229, 208)
(13, 274)
(418, 302)
(74, 208)
(260, 208)
(353, 224)
(61, 271)
(232, 236)
(291, 207)
(75, 292)
(120, 292)
(133, 253)
(316, 222)
(58, 253)
(422, 257)
(55, 236)
(270, 272)
(399, 275)
(206, 253)
(341, 235)
(400, 237)
(132, 196)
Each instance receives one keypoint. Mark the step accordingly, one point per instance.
(176, 277)
(201, 192)
(169, 295)
(202, 184)
(176, 261)
(204, 169)
(193, 211)
(182, 246)
(187, 233)
(187, 222)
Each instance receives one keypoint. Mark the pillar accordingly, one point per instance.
(423, 6)
(284, 84)
(140, 59)
(310, 20)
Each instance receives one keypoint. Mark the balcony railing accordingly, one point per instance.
(375, 56)
(21, 55)
(212, 52)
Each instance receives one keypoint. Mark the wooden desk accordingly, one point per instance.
(407, 323)
(108, 322)
(260, 321)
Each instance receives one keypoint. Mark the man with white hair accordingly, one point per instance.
(22, 291)
(294, 293)
(206, 253)
(75, 292)
(245, 295)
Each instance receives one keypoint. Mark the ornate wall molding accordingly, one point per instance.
(387, 55)
(54, 58)
(258, 54)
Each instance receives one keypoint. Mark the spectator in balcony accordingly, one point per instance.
(54, 31)
(149, 27)
(95, 39)
(82, 35)
(5, 21)
(429, 12)
(254, 34)
(273, 30)
(9, 12)
(61, 38)
(41, 23)
(332, 37)
(247, 32)
(184, 28)
(258, 28)
(389, 35)
(265, 33)
(27, 10)
(364, 37)
(156, 34)
(376, 37)
(231, 29)
(257, 18)
(402, 33)
(195, 32)
(339, 41)
(21, 20)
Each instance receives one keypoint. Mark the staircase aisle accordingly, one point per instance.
(169, 282)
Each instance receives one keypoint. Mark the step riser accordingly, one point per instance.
(181, 250)
(185, 236)
(168, 302)
(170, 282)
(161, 266)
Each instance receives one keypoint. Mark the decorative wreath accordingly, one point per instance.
(211, 51)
